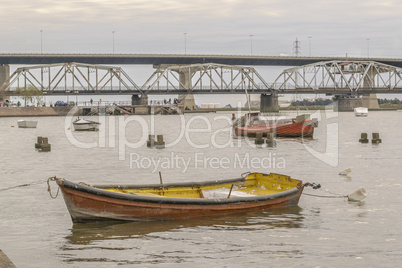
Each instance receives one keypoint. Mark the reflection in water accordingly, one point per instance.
(87, 233)
(196, 240)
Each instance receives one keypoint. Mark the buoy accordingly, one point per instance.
(358, 195)
(345, 172)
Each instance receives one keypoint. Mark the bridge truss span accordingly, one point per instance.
(79, 78)
(343, 77)
(205, 78)
(74, 77)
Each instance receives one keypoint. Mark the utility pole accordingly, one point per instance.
(251, 45)
(185, 43)
(113, 40)
(296, 48)
(41, 39)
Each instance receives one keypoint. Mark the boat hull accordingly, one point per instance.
(86, 127)
(92, 204)
(361, 112)
(27, 124)
(302, 129)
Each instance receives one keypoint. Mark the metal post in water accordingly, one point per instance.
(376, 138)
(270, 140)
(258, 138)
(363, 138)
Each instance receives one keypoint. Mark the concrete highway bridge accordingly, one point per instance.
(171, 59)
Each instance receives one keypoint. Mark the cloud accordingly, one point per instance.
(212, 26)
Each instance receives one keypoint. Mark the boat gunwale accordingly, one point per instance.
(86, 123)
(174, 200)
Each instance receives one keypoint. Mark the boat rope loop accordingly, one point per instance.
(318, 186)
(313, 185)
(23, 185)
(49, 189)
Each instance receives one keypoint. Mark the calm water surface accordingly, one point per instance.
(36, 230)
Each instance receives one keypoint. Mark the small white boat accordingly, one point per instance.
(85, 125)
(27, 123)
(361, 111)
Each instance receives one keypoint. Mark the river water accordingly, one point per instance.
(36, 230)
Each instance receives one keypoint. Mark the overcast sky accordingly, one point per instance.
(212, 27)
(338, 27)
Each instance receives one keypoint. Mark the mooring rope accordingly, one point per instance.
(326, 196)
(24, 185)
(318, 187)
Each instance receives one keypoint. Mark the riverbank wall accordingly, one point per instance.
(129, 110)
(34, 111)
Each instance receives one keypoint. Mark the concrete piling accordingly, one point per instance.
(271, 142)
(258, 139)
(158, 144)
(42, 144)
(38, 143)
(151, 141)
(363, 138)
(376, 138)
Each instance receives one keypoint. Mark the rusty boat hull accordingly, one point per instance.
(252, 123)
(303, 129)
(158, 202)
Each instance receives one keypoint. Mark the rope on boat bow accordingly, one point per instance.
(49, 189)
(316, 186)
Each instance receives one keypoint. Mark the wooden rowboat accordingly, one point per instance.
(255, 191)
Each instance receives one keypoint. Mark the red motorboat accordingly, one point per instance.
(252, 123)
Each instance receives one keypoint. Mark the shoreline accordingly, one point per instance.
(64, 110)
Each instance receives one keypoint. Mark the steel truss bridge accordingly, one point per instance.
(341, 77)
(79, 78)
(329, 77)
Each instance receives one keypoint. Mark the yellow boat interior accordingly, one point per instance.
(254, 184)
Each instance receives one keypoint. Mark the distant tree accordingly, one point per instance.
(30, 94)
(316, 102)
(389, 101)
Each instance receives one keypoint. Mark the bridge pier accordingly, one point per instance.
(139, 99)
(269, 103)
(346, 104)
(4, 75)
(186, 101)
(370, 101)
